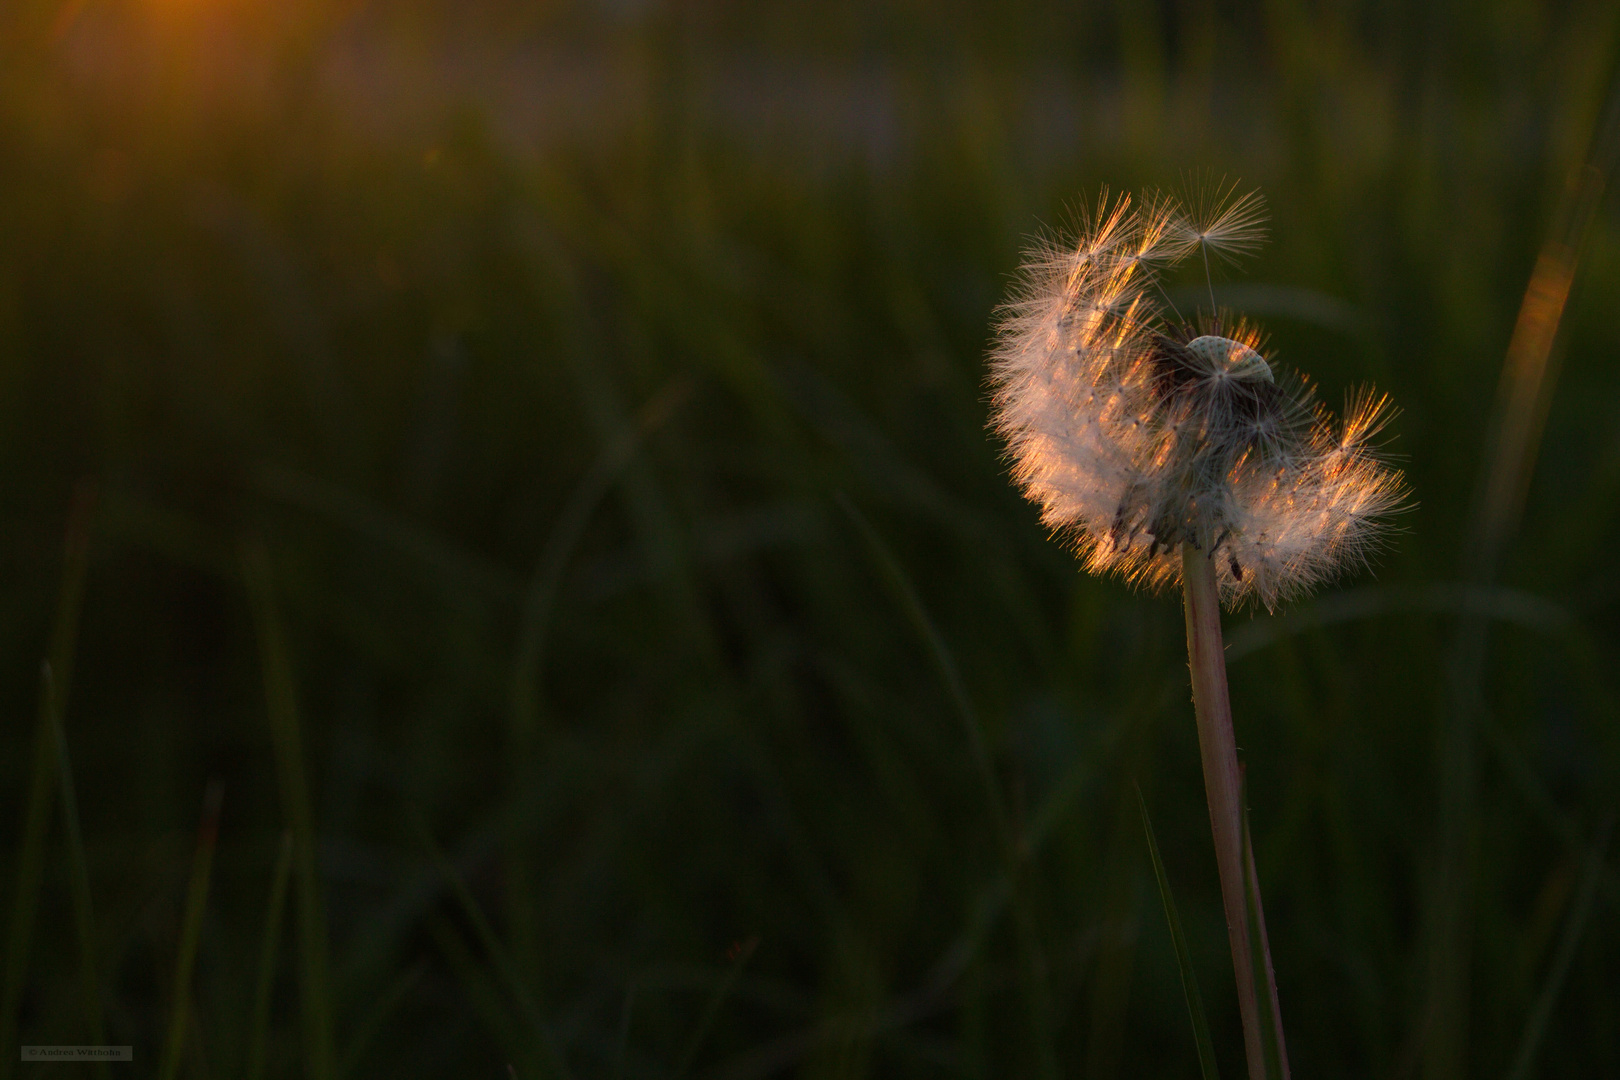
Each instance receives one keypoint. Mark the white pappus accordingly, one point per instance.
(1137, 433)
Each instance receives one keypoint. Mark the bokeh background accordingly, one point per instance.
(528, 462)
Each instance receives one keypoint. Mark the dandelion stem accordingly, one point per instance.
(1223, 783)
(1209, 283)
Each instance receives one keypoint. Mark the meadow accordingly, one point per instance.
(507, 573)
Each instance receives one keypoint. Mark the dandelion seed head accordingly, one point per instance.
(1137, 433)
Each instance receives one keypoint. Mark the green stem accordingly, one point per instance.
(191, 931)
(1223, 784)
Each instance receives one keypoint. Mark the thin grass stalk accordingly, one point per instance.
(42, 785)
(1580, 910)
(1207, 1067)
(1223, 784)
(371, 1025)
(84, 917)
(269, 952)
(1524, 394)
(1271, 1035)
(712, 1010)
(621, 1052)
(1114, 955)
(1015, 863)
(481, 990)
(526, 703)
(500, 958)
(30, 881)
(191, 930)
(282, 706)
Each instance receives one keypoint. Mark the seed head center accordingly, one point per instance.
(1231, 359)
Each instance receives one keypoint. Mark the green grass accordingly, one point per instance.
(269, 951)
(174, 1048)
(542, 356)
(1207, 1066)
(281, 696)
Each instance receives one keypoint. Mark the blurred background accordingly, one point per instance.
(504, 495)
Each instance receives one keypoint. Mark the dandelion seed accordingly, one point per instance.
(1138, 433)
(1218, 219)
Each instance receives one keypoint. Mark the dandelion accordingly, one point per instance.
(1171, 450)
(1137, 431)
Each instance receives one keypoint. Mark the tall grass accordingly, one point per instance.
(542, 351)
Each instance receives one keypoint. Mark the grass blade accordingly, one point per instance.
(622, 1043)
(37, 815)
(79, 870)
(1529, 375)
(905, 596)
(373, 1021)
(712, 1010)
(498, 954)
(282, 705)
(1189, 978)
(484, 996)
(1274, 1053)
(546, 580)
(30, 881)
(259, 1027)
(191, 930)
(1535, 1025)
(539, 599)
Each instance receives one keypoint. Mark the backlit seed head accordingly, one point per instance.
(1137, 433)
